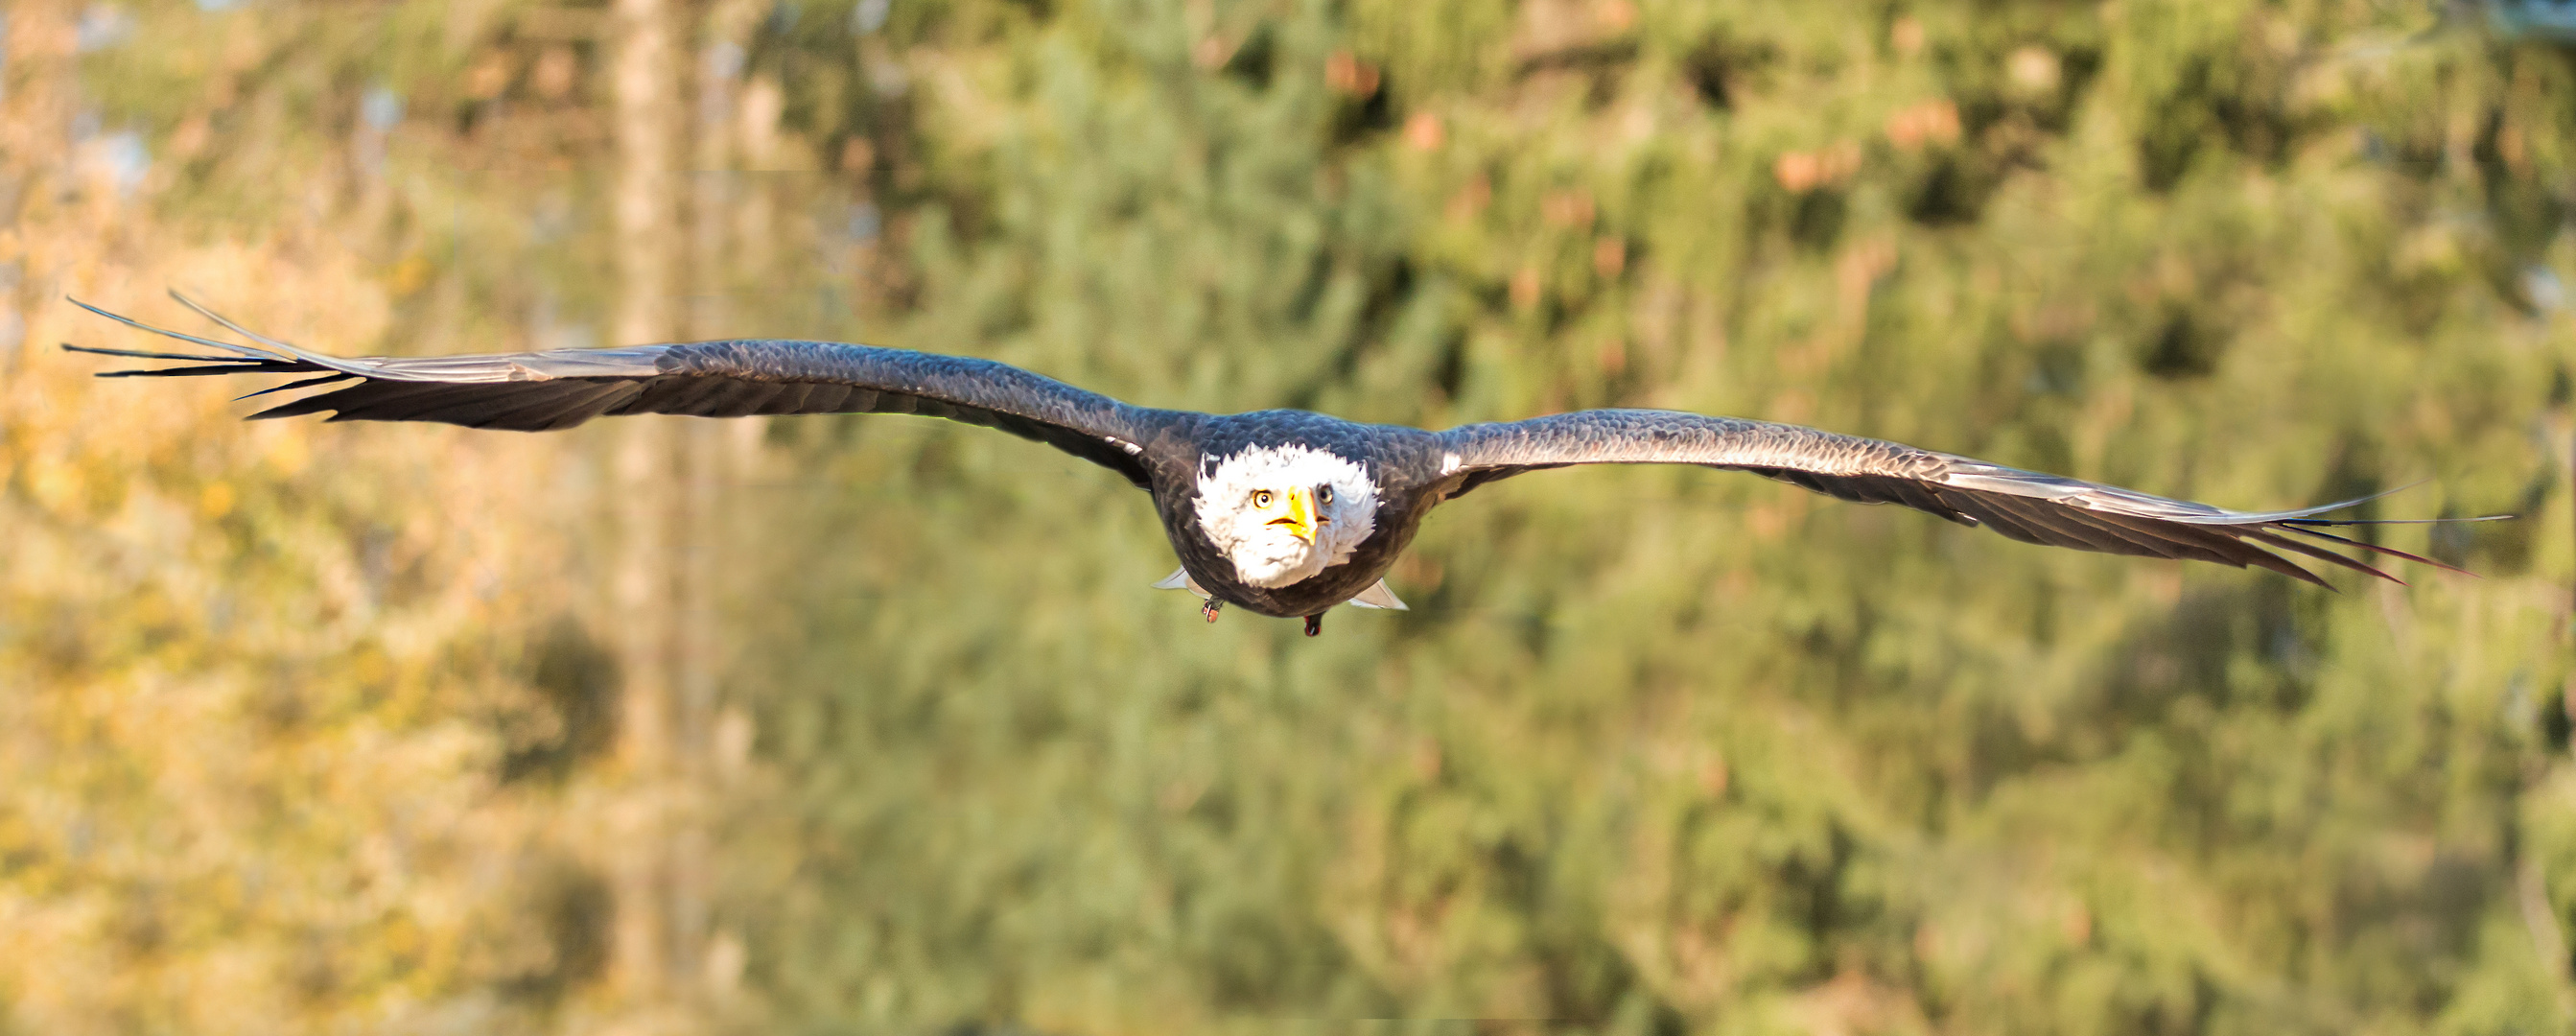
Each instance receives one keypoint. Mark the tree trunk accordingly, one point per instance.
(705, 519)
(644, 88)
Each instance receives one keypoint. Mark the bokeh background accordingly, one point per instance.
(871, 724)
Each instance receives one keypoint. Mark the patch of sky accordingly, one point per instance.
(720, 67)
(101, 26)
(725, 59)
(121, 157)
(870, 16)
(552, 220)
(126, 159)
(2541, 285)
(381, 107)
(2543, 19)
(888, 78)
(2521, 709)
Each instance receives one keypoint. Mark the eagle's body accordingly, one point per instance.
(1403, 462)
(1283, 512)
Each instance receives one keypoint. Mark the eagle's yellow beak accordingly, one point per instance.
(1300, 516)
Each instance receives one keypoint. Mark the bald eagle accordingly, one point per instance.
(1283, 512)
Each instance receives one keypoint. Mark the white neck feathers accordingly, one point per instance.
(1268, 553)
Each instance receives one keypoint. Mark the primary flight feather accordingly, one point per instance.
(1284, 512)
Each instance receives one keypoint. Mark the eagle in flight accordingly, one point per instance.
(1283, 512)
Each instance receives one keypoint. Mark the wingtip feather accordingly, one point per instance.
(2279, 542)
(236, 328)
(230, 347)
(2377, 549)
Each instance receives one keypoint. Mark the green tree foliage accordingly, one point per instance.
(1655, 750)
(1659, 750)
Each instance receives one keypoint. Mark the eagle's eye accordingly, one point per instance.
(1261, 498)
(1323, 494)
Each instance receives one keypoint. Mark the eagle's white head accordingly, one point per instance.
(1285, 513)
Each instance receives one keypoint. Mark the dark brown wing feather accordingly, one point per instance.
(543, 391)
(2024, 505)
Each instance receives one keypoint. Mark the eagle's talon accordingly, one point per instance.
(1314, 624)
(1210, 608)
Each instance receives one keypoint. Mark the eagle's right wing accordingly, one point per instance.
(542, 391)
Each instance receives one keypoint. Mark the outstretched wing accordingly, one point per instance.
(2024, 505)
(542, 391)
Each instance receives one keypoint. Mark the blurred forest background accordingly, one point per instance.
(872, 724)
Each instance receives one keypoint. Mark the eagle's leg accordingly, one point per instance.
(1210, 608)
(1314, 624)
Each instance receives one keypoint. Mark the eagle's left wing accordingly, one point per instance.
(561, 388)
(2024, 505)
